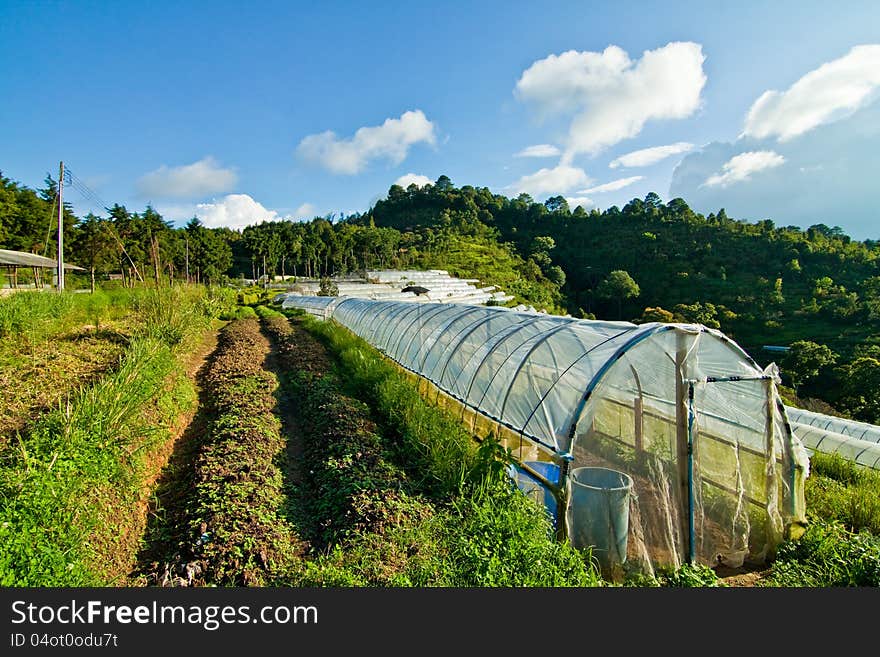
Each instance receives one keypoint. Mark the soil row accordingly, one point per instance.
(231, 529)
(349, 488)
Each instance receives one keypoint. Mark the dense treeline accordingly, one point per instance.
(816, 290)
(139, 247)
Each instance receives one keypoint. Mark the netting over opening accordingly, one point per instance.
(679, 411)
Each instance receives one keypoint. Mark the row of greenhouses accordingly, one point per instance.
(655, 444)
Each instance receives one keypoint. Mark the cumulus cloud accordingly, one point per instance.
(741, 167)
(610, 96)
(408, 179)
(187, 181)
(648, 156)
(612, 186)
(539, 150)
(557, 180)
(305, 211)
(829, 177)
(390, 141)
(234, 211)
(583, 201)
(829, 93)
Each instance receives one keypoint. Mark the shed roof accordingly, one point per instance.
(24, 259)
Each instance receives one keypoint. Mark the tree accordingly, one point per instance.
(860, 388)
(556, 274)
(443, 184)
(698, 313)
(95, 247)
(328, 288)
(620, 286)
(804, 360)
(556, 204)
(657, 314)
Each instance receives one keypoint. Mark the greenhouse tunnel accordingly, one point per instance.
(661, 444)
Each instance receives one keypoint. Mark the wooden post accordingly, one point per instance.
(681, 431)
(638, 413)
(638, 417)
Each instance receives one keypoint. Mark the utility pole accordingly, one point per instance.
(61, 228)
(186, 237)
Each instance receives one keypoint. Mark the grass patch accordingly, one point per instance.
(839, 490)
(68, 481)
(828, 554)
(411, 500)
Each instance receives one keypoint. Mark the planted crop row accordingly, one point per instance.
(349, 486)
(236, 532)
(410, 500)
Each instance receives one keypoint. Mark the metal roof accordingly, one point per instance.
(23, 259)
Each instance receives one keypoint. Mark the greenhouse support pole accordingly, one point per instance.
(681, 433)
(690, 473)
(562, 495)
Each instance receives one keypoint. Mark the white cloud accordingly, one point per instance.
(648, 156)
(741, 167)
(583, 201)
(539, 150)
(612, 186)
(409, 178)
(557, 180)
(829, 93)
(305, 211)
(829, 177)
(390, 141)
(234, 211)
(611, 96)
(190, 180)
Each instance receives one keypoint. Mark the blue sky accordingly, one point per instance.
(240, 114)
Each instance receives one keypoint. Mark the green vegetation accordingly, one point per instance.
(686, 576)
(235, 533)
(425, 506)
(840, 491)
(841, 547)
(828, 555)
(409, 500)
(62, 480)
(655, 261)
(649, 261)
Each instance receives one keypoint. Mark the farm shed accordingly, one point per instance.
(15, 260)
(661, 443)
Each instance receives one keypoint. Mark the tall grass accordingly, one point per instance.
(62, 483)
(49, 485)
(827, 555)
(435, 447)
(25, 312)
(841, 491)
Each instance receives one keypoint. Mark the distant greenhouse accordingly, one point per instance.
(662, 443)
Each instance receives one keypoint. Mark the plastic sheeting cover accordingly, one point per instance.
(613, 395)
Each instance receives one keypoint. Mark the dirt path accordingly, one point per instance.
(171, 478)
(286, 413)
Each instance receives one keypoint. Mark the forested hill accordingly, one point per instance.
(815, 290)
(651, 260)
(763, 284)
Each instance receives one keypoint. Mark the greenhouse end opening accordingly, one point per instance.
(654, 444)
